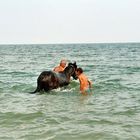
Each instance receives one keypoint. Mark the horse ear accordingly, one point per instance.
(75, 65)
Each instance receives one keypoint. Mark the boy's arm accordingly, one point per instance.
(90, 84)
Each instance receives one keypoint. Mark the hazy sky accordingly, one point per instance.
(69, 21)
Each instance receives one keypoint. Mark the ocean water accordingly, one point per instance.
(112, 112)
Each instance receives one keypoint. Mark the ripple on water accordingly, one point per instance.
(112, 112)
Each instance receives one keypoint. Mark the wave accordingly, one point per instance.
(22, 81)
(28, 87)
(112, 85)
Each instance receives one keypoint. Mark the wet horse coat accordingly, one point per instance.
(49, 80)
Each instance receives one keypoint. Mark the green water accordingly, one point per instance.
(111, 112)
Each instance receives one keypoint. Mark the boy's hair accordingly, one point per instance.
(80, 70)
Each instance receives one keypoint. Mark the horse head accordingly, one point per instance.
(71, 70)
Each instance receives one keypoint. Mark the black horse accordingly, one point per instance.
(49, 80)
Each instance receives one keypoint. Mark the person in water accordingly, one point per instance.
(85, 84)
(61, 67)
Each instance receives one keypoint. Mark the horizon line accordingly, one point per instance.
(129, 42)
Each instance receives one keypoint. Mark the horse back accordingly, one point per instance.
(48, 80)
(62, 78)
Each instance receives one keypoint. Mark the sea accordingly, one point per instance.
(111, 112)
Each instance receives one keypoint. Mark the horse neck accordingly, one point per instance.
(67, 73)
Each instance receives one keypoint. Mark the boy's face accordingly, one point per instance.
(77, 73)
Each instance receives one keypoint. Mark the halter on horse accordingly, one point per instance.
(49, 80)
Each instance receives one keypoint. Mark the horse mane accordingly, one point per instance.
(70, 65)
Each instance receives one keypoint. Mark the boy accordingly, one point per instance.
(85, 84)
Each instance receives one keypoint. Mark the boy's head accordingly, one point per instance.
(79, 71)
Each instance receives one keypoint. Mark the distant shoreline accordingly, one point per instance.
(68, 43)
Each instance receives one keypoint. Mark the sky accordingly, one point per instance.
(69, 21)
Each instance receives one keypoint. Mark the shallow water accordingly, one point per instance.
(111, 112)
